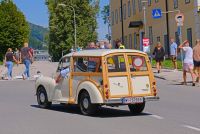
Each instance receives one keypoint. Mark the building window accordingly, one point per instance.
(156, 1)
(189, 35)
(116, 16)
(149, 2)
(124, 11)
(129, 8)
(187, 1)
(134, 7)
(140, 5)
(130, 40)
(135, 40)
(120, 14)
(151, 35)
(175, 4)
(113, 18)
(158, 39)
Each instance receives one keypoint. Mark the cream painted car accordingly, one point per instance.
(100, 77)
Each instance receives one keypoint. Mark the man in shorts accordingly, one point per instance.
(173, 53)
(196, 57)
(188, 65)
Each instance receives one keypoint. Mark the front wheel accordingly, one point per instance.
(136, 108)
(42, 98)
(86, 107)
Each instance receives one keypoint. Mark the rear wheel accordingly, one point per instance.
(86, 107)
(136, 108)
(42, 98)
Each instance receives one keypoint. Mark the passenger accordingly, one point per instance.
(63, 74)
(91, 45)
(108, 46)
(119, 45)
(188, 62)
(102, 46)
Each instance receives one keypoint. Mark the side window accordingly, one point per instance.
(63, 64)
(137, 63)
(116, 63)
(87, 64)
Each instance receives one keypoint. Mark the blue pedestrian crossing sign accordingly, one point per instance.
(156, 13)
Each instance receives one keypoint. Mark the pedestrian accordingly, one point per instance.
(9, 58)
(91, 45)
(159, 54)
(26, 57)
(188, 64)
(196, 57)
(17, 55)
(108, 46)
(173, 53)
(119, 45)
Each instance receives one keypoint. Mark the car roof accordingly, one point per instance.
(101, 52)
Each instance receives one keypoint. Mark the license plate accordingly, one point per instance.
(132, 100)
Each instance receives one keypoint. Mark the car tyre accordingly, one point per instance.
(42, 98)
(136, 108)
(86, 107)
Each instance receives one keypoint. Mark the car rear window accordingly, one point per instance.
(116, 63)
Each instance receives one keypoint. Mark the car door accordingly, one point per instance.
(65, 80)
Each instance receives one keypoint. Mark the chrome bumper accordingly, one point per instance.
(119, 100)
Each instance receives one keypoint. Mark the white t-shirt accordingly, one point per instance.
(65, 72)
(188, 55)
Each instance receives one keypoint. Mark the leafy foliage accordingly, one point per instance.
(38, 36)
(14, 29)
(61, 24)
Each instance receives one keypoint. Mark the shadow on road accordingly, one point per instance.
(104, 112)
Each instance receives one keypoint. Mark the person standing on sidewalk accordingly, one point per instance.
(26, 57)
(173, 53)
(196, 57)
(9, 58)
(188, 64)
(159, 54)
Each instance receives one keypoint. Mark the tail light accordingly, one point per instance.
(154, 88)
(106, 91)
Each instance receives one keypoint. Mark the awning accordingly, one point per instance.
(135, 24)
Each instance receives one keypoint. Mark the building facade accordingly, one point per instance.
(157, 30)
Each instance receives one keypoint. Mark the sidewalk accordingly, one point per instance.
(45, 67)
(171, 75)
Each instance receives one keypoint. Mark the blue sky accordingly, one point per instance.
(36, 12)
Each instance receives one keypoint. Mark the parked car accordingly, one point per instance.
(109, 77)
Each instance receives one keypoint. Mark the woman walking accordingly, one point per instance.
(9, 58)
(159, 54)
(196, 57)
(188, 64)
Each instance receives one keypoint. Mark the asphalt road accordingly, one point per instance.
(176, 113)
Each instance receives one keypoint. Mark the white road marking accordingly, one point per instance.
(191, 127)
(157, 117)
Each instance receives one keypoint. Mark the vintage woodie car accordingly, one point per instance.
(100, 77)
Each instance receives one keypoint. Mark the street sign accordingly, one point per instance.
(179, 19)
(146, 45)
(156, 13)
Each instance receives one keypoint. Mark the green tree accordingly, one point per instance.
(14, 29)
(61, 24)
(106, 18)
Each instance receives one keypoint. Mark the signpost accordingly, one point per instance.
(146, 45)
(179, 20)
(157, 13)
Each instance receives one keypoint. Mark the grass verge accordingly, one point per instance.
(168, 64)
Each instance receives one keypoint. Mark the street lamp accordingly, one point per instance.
(64, 5)
(145, 20)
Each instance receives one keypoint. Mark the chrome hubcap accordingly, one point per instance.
(85, 103)
(42, 97)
